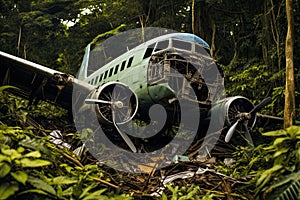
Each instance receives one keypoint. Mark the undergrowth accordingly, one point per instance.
(32, 167)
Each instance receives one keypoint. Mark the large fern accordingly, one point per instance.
(286, 189)
(282, 180)
(291, 192)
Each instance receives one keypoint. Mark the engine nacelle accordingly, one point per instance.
(230, 108)
(114, 102)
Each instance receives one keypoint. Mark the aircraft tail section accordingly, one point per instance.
(82, 73)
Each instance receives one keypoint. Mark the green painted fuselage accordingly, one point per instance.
(157, 70)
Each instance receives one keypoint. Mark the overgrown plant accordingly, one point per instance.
(31, 167)
(192, 192)
(273, 168)
(15, 110)
(282, 180)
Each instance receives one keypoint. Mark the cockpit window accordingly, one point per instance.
(201, 50)
(162, 45)
(149, 51)
(182, 45)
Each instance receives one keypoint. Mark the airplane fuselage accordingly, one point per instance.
(162, 71)
(159, 70)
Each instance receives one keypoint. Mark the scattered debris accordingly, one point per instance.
(179, 158)
(57, 138)
(183, 171)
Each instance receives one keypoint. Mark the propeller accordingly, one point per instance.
(92, 101)
(243, 118)
(124, 135)
(116, 104)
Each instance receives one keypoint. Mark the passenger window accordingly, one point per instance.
(92, 82)
(105, 75)
(129, 62)
(101, 76)
(116, 69)
(111, 72)
(96, 80)
(123, 65)
(149, 50)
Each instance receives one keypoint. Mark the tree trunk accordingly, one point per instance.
(289, 107)
(275, 32)
(193, 16)
(19, 40)
(212, 46)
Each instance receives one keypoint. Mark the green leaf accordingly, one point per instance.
(279, 152)
(279, 140)
(293, 131)
(2, 88)
(63, 180)
(69, 191)
(12, 153)
(267, 173)
(26, 162)
(275, 133)
(94, 195)
(7, 190)
(208, 196)
(20, 149)
(67, 167)
(261, 179)
(40, 184)
(87, 189)
(33, 154)
(59, 191)
(4, 158)
(37, 191)
(164, 196)
(20, 176)
(4, 169)
(270, 148)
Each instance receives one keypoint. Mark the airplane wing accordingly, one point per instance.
(37, 82)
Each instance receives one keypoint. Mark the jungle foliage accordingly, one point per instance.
(247, 40)
(247, 37)
(33, 167)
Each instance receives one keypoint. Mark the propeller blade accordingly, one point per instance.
(91, 101)
(247, 133)
(231, 131)
(262, 104)
(297, 122)
(125, 137)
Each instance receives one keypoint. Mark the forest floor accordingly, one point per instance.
(205, 176)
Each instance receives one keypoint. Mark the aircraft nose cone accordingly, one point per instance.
(119, 104)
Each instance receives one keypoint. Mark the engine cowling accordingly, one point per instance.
(230, 108)
(114, 102)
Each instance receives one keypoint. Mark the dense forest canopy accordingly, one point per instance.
(247, 39)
